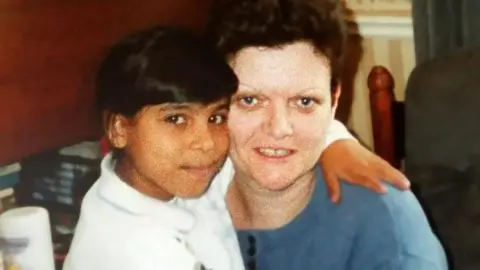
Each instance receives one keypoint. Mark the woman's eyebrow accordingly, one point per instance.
(309, 89)
(246, 87)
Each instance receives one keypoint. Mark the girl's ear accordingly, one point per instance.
(116, 128)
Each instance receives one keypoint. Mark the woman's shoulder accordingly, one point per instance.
(357, 204)
(395, 205)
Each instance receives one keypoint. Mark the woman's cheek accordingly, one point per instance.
(312, 129)
(243, 125)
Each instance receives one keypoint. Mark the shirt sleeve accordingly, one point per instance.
(394, 234)
(337, 131)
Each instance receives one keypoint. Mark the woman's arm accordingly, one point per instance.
(344, 158)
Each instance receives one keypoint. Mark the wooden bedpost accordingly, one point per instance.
(382, 99)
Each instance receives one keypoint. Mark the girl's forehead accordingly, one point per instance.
(192, 106)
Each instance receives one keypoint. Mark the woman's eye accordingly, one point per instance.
(306, 102)
(249, 101)
(218, 119)
(175, 119)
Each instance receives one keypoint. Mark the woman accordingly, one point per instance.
(288, 56)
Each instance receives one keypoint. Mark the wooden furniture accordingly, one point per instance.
(49, 52)
(387, 116)
(442, 150)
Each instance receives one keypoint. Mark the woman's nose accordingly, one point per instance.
(278, 122)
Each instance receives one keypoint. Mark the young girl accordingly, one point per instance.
(164, 96)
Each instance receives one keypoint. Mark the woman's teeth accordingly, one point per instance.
(271, 152)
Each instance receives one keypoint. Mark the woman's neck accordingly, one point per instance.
(254, 207)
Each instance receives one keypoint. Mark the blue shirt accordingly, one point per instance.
(366, 231)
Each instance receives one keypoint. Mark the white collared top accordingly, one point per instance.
(120, 228)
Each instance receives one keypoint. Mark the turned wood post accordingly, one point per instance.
(382, 98)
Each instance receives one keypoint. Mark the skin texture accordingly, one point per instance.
(279, 106)
(171, 149)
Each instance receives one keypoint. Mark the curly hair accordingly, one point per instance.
(237, 24)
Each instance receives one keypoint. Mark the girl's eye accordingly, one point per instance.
(218, 119)
(249, 101)
(175, 119)
(305, 102)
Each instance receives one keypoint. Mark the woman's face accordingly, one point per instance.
(280, 113)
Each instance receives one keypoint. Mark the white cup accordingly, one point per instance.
(26, 239)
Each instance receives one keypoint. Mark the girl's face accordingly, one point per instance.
(172, 149)
(280, 114)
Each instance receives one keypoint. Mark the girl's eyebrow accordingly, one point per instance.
(222, 106)
(189, 106)
(174, 106)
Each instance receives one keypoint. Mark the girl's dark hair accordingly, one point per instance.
(162, 65)
(237, 24)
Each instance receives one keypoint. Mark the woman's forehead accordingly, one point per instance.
(296, 66)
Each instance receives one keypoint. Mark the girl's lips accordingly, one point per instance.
(202, 171)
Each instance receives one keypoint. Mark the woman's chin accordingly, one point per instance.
(276, 180)
(275, 184)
